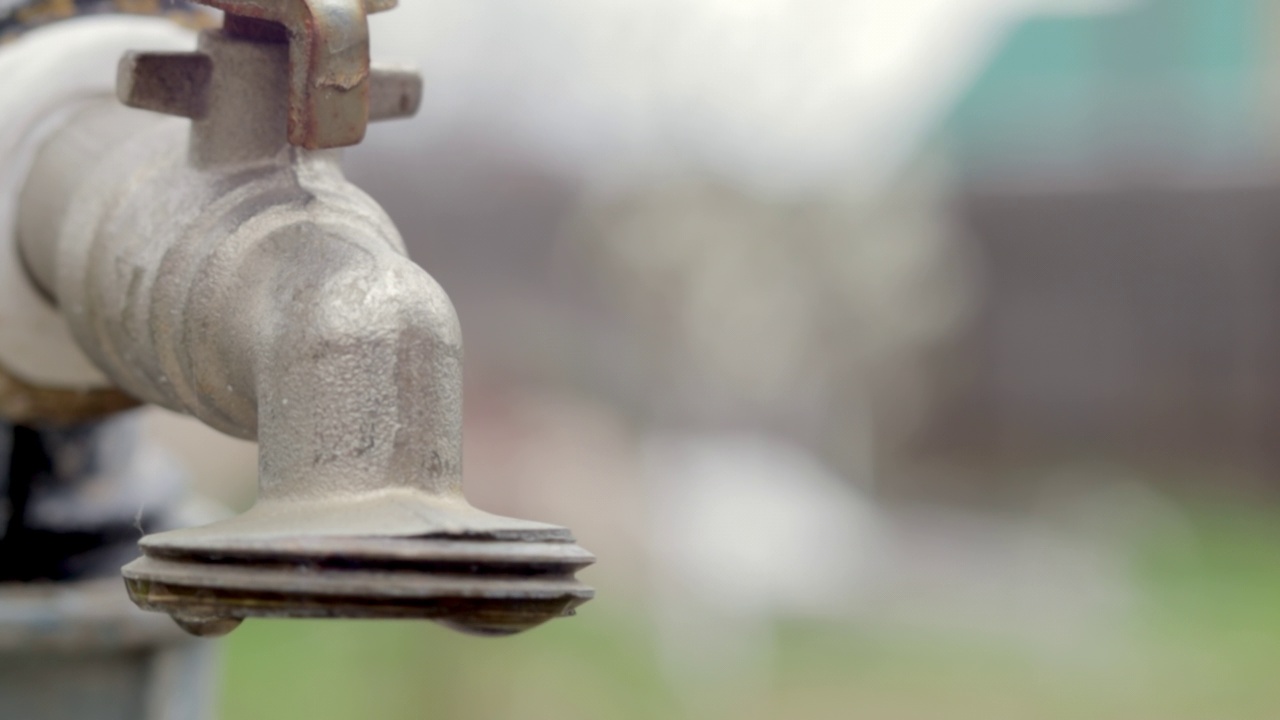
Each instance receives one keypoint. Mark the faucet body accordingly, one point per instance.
(239, 279)
(212, 268)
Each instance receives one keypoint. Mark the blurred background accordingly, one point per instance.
(898, 360)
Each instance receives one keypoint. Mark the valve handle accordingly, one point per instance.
(333, 91)
(328, 64)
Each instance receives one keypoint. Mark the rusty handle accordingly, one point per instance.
(328, 63)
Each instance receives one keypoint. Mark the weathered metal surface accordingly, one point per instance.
(47, 72)
(328, 64)
(177, 83)
(394, 92)
(486, 592)
(170, 83)
(488, 587)
(246, 282)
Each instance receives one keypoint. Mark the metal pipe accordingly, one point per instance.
(79, 484)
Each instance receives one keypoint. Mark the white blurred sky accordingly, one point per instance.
(779, 95)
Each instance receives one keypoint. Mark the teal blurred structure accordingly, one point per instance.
(1174, 85)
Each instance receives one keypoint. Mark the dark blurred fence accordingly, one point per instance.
(1133, 324)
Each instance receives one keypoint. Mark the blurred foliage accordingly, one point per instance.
(1199, 642)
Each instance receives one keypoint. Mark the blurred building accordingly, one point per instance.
(1119, 183)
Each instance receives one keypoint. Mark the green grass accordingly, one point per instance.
(1202, 642)
(596, 666)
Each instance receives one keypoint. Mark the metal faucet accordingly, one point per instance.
(210, 258)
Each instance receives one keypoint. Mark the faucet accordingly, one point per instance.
(209, 257)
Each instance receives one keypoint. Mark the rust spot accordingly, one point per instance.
(22, 402)
(46, 10)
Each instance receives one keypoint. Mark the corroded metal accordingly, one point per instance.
(328, 63)
(481, 586)
(177, 83)
(216, 270)
(174, 83)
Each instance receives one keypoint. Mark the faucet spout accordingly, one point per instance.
(272, 299)
(358, 381)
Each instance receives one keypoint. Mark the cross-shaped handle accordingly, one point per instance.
(328, 64)
(333, 91)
